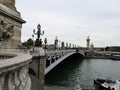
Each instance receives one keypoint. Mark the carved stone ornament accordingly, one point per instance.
(18, 80)
(6, 31)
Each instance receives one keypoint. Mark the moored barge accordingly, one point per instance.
(103, 84)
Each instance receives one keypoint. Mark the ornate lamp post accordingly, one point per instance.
(70, 45)
(73, 45)
(56, 43)
(62, 45)
(38, 41)
(33, 40)
(66, 45)
(45, 41)
(59, 44)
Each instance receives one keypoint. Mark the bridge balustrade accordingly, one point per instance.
(55, 57)
(14, 71)
(6, 56)
(57, 54)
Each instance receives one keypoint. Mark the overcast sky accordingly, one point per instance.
(73, 20)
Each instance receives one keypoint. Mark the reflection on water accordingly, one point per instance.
(87, 70)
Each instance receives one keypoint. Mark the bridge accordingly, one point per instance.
(44, 62)
(53, 58)
(16, 63)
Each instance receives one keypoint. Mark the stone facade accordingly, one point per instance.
(9, 3)
(14, 65)
(10, 18)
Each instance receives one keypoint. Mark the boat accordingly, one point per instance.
(105, 84)
(115, 57)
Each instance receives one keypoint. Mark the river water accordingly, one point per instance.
(66, 73)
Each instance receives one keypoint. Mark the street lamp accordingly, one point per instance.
(39, 33)
(56, 43)
(62, 45)
(70, 45)
(45, 41)
(33, 39)
(66, 45)
(59, 45)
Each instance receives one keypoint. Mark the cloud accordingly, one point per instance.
(73, 20)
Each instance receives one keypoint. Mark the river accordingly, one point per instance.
(66, 73)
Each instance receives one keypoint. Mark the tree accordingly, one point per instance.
(113, 48)
(107, 48)
(28, 43)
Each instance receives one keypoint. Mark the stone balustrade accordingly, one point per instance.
(6, 56)
(14, 71)
(57, 54)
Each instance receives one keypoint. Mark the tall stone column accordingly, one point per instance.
(38, 63)
(9, 3)
(42, 69)
(88, 42)
(10, 25)
(13, 70)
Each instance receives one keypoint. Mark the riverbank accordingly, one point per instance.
(57, 88)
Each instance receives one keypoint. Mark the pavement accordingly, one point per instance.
(57, 88)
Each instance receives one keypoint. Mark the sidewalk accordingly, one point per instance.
(57, 88)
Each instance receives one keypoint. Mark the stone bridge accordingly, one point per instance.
(44, 63)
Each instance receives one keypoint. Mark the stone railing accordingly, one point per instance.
(14, 71)
(6, 56)
(57, 54)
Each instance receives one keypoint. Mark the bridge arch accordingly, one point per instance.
(64, 56)
(76, 55)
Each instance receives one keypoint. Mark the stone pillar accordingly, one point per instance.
(88, 42)
(92, 46)
(39, 56)
(9, 3)
(42, 69)
(10, 25)
(13, 71)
